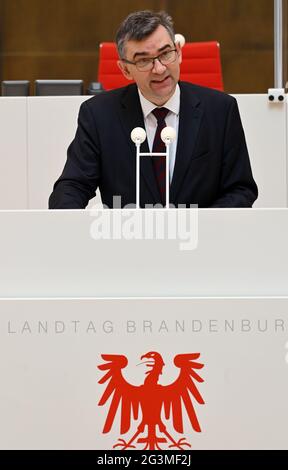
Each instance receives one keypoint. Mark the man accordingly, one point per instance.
(209, 162)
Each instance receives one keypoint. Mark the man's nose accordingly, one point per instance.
(158, 67)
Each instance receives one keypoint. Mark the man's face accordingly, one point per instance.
(157, 85)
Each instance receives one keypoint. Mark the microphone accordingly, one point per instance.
(138, 135)
(168, 134)
(180, 39)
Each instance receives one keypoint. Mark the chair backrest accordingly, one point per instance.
(109, 74)
(58, 87)
(15, 87)
(201, 65)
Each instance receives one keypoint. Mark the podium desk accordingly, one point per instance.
(71, 300)
(239, 252)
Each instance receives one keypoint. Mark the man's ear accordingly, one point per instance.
(124, 69)
(179, 51)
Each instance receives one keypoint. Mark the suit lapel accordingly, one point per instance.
(131, 116)
(190, 116)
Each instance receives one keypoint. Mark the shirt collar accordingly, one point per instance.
(173, 104)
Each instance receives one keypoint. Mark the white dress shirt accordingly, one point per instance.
(172, 120)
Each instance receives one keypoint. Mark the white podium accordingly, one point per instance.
(76, 285)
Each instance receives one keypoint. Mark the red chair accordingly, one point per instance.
(109, 74)
(201, 65)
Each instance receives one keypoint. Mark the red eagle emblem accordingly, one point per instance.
(153, 401)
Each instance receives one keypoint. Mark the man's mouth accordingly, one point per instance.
(160, 82)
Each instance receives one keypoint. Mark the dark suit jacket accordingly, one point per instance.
(212, 167)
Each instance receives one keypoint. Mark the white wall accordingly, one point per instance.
(36, 131)
(265, 128)
(52, 124)
(13, 153)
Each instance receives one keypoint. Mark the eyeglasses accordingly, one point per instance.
(147, 63)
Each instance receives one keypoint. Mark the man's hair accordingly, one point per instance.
(140, 25)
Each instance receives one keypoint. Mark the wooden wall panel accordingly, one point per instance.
(285, 40)
(244, 29)
(1, 38)
(60, 38)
